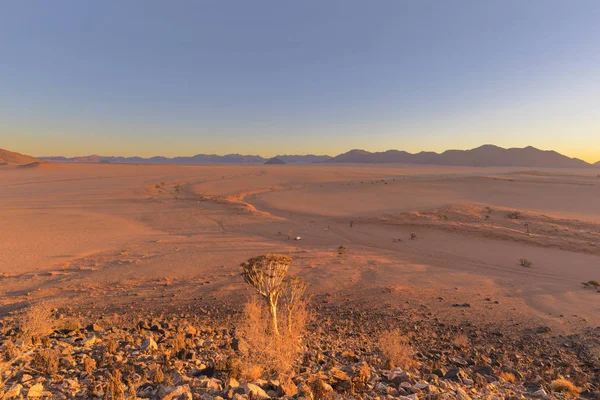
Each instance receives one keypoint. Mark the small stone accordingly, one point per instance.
(14, 392)
(255, 391)
(149, 344)
(35, 391)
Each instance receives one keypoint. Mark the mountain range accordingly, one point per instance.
(197, 159)
(484, 156)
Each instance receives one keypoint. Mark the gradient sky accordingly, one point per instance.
(144, 77)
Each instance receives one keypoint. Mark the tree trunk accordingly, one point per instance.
(289, 320)
(273, 309)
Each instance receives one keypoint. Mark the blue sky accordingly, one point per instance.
(184, 77)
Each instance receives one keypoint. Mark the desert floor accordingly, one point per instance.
(126, 236)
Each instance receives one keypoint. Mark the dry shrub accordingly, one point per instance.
(115, 389)
(321, 390)
(507, 377)
(525, 262)
(261, 351)
(592, 284)
(179, 342)
(9, 350)
(132, 392)
(111, 345)
(158, 376)
(461, 341)
(37, 322)
(46, 361)
(89, 365)
(67, 324)
(564, 386)
(360, 379)
(396, 349)
(513, 215)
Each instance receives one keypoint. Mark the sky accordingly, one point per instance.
(146, 77)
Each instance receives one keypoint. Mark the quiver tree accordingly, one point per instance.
(266, 274)
(293, 288)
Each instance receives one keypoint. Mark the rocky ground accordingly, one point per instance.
(193, 353)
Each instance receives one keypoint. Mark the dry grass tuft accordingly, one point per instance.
(9, 351)
(592, 284)
(46, 361)
(461, 341)
(261, 351)
(507, 377)
(564, 386)
(513, 215)
(525, 262)
(396, 349)
(89, 365)
(37, 322)
(115, 388)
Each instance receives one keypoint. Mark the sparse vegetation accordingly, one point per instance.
(513, 215)
(461, 341)
(396, 349)
(115, 389)
(263, 352)
(265, 274)
(37, 322)
(507, 376)
(564, 386)
(342, 250)
(264, 347)
(413, 236)
(46, 361)
(525, 262)
(591, 284)
(292, 293)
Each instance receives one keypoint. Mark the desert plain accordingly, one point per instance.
(433, 242)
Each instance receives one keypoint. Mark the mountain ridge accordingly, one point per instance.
(483, 156)
(196, 159)
(487, 155)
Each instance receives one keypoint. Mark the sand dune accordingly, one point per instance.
(17, 159)
(100, 233)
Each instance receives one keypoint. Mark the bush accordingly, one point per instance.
(396, 349)
(592, 284)
(525, 262)
(507, 377)
(513, 215)
(461, 341)
(37, 322)
(46, 361)
(261, 351)
(342, 250)
(564, 386)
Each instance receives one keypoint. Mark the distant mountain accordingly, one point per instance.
(484, 156)
(597, 164)
(197, 159)
(308, 159)
(275, 161)
(17, 159)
